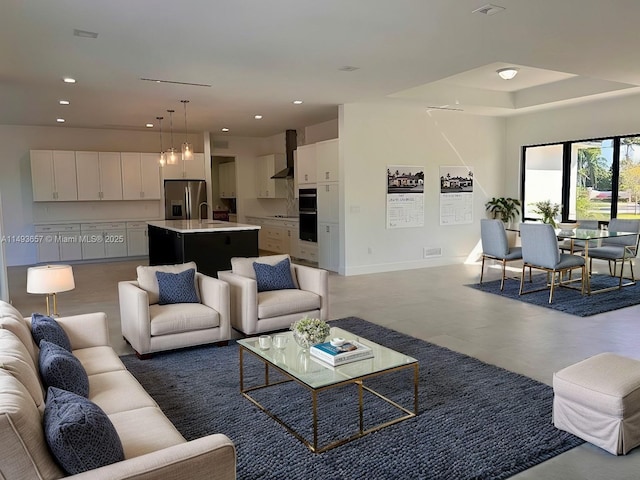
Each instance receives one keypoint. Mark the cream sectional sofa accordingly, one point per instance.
(153, 448)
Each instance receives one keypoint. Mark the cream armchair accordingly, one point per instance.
(254, 312)
(151, 327)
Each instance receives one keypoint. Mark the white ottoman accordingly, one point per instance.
(598, 400)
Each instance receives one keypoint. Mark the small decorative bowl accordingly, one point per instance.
(568, 226)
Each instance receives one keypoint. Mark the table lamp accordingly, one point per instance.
(49, 280)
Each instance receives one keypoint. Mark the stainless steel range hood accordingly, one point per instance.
(291, 144)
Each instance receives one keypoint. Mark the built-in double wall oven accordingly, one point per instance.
(308, 207)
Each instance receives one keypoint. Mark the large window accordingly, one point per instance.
(596, 179)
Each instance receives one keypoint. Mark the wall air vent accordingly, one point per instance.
(489, 9)
(221, 144)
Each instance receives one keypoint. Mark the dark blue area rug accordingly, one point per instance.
(475, 421)
(568, 300)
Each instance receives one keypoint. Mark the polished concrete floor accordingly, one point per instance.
(432, 304)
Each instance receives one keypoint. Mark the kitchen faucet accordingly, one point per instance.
(200, 210)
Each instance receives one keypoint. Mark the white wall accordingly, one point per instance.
(615, 116)
(319, 132)
(373, 136)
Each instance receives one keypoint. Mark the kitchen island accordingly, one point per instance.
(209, 243)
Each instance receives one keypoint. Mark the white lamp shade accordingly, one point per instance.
(50, 279)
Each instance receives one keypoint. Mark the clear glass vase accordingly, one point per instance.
(305, 341)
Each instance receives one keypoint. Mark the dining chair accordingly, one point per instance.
(618, 249)
(540, 251)
(495, 246)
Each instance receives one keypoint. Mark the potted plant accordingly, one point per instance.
(504, 208)
(548, 210)
(309, 331)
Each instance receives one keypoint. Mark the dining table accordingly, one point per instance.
(590, 238)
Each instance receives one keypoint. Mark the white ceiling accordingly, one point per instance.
(259, 56)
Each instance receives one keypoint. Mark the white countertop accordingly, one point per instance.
(205, 225)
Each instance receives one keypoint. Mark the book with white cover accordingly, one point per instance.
(350, 351)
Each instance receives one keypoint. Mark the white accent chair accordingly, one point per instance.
(150, 327)
(255, 312)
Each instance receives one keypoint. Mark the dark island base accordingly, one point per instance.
(212, 251)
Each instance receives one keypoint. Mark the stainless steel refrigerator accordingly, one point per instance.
(184, 199)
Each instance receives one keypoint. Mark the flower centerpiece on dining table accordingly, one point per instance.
(309, 331)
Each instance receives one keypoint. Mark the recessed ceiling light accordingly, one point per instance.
(60, 120)
(84, 33)
(149, 125)
(507, 73)
(297, 102)
(225, 129)
(64, 102)
(348, 68)
(69, 80)
(258, 117)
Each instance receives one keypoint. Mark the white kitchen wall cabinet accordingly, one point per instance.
(227, 180)
(99, 175)
(53, 175)
(191, 169)
(306, 168)
(59, 242)
(140, 176)
(266, 167)
(137, 239)
(327, 161)
(328, 246)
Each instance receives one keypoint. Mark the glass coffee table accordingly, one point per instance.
(315, 376)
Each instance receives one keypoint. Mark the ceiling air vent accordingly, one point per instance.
(221, 144)
(489, 9)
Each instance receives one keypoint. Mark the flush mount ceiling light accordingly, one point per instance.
(297, 102)
(69, 80)
(507, 73)
(258, 117)
(149, 125)
(225, 129)
(63, 102)
(60, 120)
(187, 148)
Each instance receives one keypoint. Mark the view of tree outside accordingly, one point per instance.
(590, 189)
(629, 181)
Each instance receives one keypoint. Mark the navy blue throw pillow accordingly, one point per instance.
(46, 328)
(79, 433)
(60, 368)
(274, 277)
(177, 287)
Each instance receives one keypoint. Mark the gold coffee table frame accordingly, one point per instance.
(331, 377)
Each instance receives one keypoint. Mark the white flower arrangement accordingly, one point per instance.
(310, 330)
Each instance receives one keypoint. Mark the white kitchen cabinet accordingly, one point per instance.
(227, 180)
(327, 161)
(137, 239)
(328, 202)
(293, 234)
(53, 175)
(266, 167)
(329, 246)
(61, 242)
(306, 169)
(140, 176)
(191, 169)
(99, 175)
(104, 240)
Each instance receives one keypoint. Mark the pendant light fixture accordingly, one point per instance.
(187, 148)
(163, 157)
(172, 153)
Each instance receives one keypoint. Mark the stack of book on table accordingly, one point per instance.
(350, 351)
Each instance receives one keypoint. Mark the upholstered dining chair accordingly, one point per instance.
(618, 249)
(540, 251)
(495, 246)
